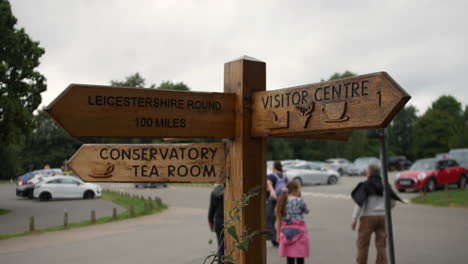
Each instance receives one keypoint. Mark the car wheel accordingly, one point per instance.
(45, 196)
(298, 180)
(88, 195)
(31, 194)
(431, 185)
(401, 190)
(332, 179)
(462, 182)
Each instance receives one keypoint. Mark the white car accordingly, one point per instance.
(312, 173)
(65, 187)
(340, 165)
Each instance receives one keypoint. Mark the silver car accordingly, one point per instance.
(312, 173)
(359, 167)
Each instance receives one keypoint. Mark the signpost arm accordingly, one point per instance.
(246, 158)
(388, 212)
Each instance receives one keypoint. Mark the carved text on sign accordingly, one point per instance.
(136, 112)
(359, 102)
(151, 163)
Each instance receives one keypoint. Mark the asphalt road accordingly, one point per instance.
(46, 214)
(179, 235)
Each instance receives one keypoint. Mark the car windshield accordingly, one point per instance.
(425, 164)
(460, 156)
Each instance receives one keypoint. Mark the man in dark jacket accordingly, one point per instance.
(216, 217)
(370, 210)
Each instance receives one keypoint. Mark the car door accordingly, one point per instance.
(70, 188)
(442, 172)
(453, 172)
(54, 187)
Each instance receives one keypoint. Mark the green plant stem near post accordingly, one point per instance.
(452, 198)
(241, 238)
(123, 200)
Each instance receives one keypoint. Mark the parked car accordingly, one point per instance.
(311, 173)
(150, 185)
(340, 165)
(399, 163)
(25, 184)
(359, 166)
(65, 187)
(431, 174)
(460, 155)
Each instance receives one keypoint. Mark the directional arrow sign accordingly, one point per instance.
(104, 111)
(195, 163)
(365, 101)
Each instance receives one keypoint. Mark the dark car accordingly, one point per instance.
(26, 182)
(430, 174)
(150, 185)
(399, 163)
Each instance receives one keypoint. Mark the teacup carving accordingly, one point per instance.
(305, 112)
(101, 170)
(335, 112)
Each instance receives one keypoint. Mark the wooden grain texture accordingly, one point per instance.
(105, 111)
(360, 102)
(338, 136)
(194, 163)
(246, 157)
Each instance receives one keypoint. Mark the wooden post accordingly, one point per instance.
(32, 226)
(246, 157)
(93, 216)
(114, 213)
(65, 219)
(132, 211)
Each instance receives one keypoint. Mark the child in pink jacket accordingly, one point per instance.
(292, 230)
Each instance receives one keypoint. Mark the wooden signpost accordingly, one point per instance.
(195, 163)
(105, 111)
(244, 115)
(360, 102)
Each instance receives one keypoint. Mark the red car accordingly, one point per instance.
(431, 174)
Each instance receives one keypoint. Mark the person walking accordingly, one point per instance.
(292, 230)
(276, 182)
(370, 209)
(216, 218)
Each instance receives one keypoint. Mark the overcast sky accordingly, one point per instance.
(421, 44)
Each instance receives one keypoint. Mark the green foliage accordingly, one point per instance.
(242, 237)
(49, 143)
(168, 85)
(20, 90)
(400, 131)
(135, 81)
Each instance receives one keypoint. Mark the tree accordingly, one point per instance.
(450, 105)
(49, 143)
(20, 89)
(168, 85)
(400, 131)
(134, 80)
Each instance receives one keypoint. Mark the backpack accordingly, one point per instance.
(280, 184)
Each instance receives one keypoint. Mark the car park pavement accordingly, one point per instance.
(180, 234)
(48, 213)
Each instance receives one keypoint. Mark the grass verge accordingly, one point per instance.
(4, 211)
(452, 198)
(6, 181)
(140, 207)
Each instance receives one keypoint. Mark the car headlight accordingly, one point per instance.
(421, 176)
